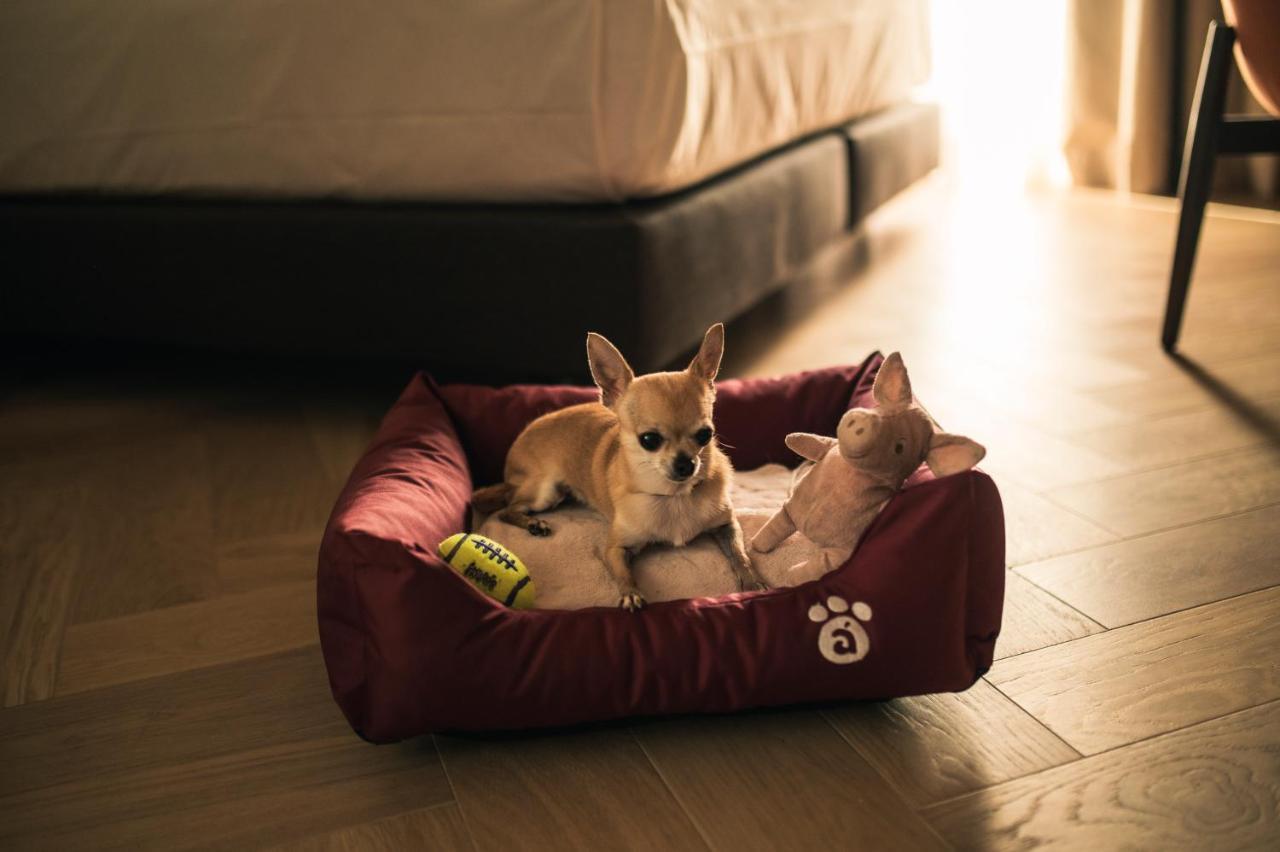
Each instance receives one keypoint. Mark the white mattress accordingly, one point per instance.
(479, 100)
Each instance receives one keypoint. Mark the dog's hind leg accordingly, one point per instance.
(529, 497)
(491, 498)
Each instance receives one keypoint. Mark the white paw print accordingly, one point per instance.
(842, 640)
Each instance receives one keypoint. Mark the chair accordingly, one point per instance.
(1210, 134)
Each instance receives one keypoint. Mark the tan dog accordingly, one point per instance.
(644, 456)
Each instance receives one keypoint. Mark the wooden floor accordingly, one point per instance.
(163, 687)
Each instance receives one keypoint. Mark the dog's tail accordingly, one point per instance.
(491, 498)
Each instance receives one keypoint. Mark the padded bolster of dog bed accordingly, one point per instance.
(411, 648)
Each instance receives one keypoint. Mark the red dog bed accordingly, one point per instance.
(413, 648)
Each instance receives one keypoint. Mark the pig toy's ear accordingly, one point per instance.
(950, 454)
(810, 446)
(892, 388)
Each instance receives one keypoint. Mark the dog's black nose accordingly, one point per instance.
(682, 467)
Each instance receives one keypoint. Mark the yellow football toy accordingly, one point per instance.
(489, 567)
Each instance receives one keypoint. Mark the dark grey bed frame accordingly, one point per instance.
(460, 289)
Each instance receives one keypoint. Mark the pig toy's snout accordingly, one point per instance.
(857, 432)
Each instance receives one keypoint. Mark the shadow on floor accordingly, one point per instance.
(1251, 413)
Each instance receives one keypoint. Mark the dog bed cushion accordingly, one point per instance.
(413, 648)
(568, 571)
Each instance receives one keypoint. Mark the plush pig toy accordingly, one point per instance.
(855, 473)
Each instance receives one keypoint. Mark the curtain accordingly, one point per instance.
(1129, 97)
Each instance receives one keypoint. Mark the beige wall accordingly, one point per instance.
(1120, 95)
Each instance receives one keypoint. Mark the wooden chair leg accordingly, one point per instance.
(1197, 171)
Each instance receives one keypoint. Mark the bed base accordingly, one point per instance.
(459, 288)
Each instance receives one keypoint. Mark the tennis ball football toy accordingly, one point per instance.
(489, 567)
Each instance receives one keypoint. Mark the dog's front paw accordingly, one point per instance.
(631, 600)
(752, 583)
(539, 528)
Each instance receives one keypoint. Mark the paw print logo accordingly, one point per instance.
(842, 639)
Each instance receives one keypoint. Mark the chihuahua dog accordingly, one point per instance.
(645, 456)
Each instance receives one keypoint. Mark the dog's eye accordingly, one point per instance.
(703, 436)
(898, 447)
(650, 440)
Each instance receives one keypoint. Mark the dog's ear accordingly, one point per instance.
(610, 370)
(950, 454)
(892, 387)
(706, 364)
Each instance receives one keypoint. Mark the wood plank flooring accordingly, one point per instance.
(1209, 786)
(1155, 676)
(163, 686)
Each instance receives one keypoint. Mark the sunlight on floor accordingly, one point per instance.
(999, 77)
